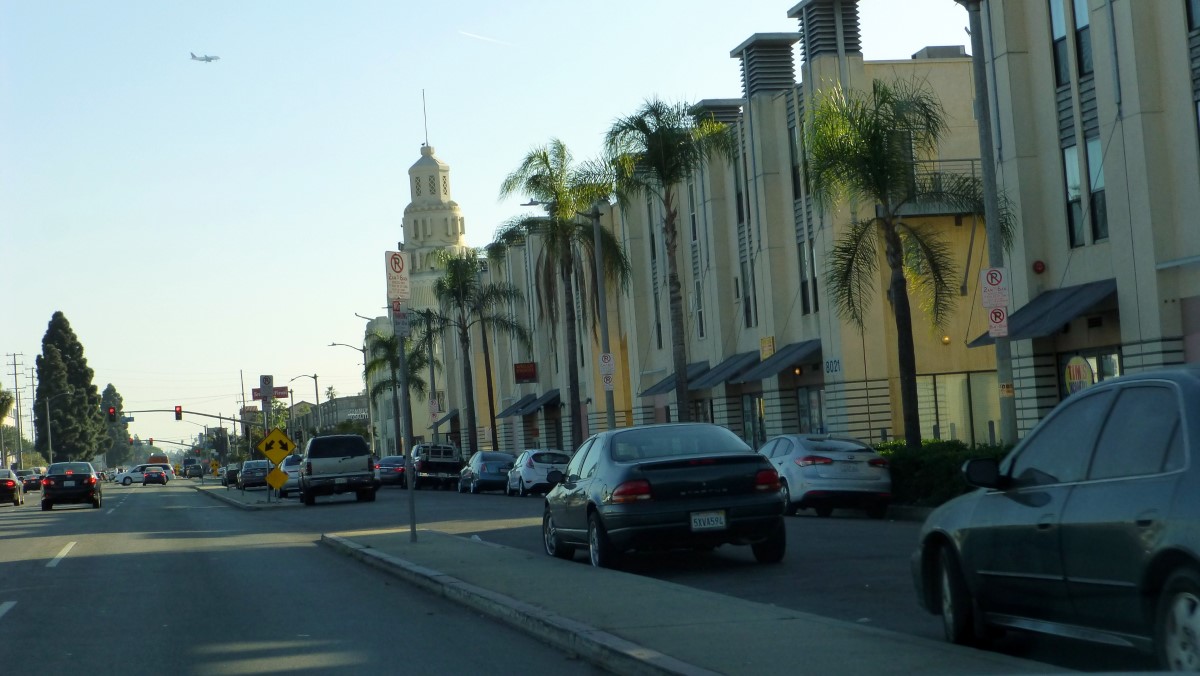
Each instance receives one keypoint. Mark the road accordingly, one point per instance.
(166, 580)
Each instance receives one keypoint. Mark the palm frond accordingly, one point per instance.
(930, 269)
(851, 268)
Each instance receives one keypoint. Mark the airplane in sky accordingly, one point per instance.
(206, 58)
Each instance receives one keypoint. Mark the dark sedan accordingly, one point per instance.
(71, 483)
(154, 475)
(10, 488)
(1089, 529)
(391, 470)
(32, 482)
(485, 471)
(681, 485)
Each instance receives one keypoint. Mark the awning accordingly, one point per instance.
(511, 410)
(794, 353)
(668, 384)
(1050, 310)
(546, 399)
(449, 416)
(722, 372)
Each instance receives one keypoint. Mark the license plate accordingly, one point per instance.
(848, 467)
(714, 520)
(340, 481)
(68, 483)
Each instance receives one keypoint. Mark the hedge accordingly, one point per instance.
(932, 475)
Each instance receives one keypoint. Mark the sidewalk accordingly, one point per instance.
(630, 624)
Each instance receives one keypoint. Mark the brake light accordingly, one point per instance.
(91, 481)
(809, 460)
(376, 465)
(46, 482)
(767, 480)
(878, 462)
(632, 491)
(10, 483)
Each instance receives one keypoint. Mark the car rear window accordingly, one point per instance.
(7, 474)
(676, 440)
(496, 457)
(337, 447)
(836, 446)
(291, 460)
(551, 458)
(70, 467)
(392, 460)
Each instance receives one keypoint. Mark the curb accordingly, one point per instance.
(216, 495)
(598, 647)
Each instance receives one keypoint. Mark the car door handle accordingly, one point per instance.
(1146, 519)
(1046, 522)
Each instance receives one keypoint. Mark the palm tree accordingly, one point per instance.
(383, 360)
(566, 259)
(654, 151)
(861, 149)
(466, 302)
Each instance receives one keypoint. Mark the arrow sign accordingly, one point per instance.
(276, 446)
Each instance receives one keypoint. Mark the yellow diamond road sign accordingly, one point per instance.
(276, 446)
(277, 478)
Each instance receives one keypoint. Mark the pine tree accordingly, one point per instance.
(77, 425)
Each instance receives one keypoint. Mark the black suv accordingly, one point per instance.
(338, 463)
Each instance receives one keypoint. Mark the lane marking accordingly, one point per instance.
(6, 606)
(54, 562)
(111, 510)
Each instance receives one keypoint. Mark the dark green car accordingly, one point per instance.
(1090, 528)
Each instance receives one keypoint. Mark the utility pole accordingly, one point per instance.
(602, 293)
(17, 408)
(991, 211)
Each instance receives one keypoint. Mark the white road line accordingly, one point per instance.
(111, 510)
(6, 606)
(54, 562)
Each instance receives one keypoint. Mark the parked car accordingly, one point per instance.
(486, 471)
(391, 470)
(674, 485)
(229, 475)
(253, 473)
(71, 483)
(11, 489)
(824, 472)
(31, 482)
(290, 465)
(529, 470)
(154, 475)
(436, 464)
(1088, 528)
(337, 463)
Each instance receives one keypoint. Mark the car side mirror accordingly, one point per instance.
(554, 477)
(983, 473)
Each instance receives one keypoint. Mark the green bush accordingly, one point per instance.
(933, 474)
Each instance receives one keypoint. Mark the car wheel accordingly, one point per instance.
(877, 511)
(824, 512)
(474, 487)
(309, 499)
(789, 508)
(47, 505)
(127, 481)
(773, 548)
(96, 502)
(554, 545)
(1177, 622)
(460, 487)
(957, 621)
(601, 552)
(521, 492)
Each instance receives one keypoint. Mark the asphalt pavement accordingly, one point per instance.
(631, 624)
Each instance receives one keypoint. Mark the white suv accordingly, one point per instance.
(338, 463)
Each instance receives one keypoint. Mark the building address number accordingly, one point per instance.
(833, 365)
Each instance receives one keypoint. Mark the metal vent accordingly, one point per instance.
(767, 62)
(819, 27)
(721, 110)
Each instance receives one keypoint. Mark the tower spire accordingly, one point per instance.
(425, 115)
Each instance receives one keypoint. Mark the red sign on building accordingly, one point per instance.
(525, 372)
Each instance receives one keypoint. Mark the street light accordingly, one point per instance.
(366, 384)
(49, 439)
(316, 394)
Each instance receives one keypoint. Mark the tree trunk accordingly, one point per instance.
(572, 356)
(674, 290)
(905, 351)
(396, 409)
(464, 344)
(487, 372)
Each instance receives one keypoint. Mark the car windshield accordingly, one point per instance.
(70, 468)
(255, 464)
(551, 458)
(675, 440)
(291, 460)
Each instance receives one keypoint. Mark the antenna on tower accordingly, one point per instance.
(426, 116)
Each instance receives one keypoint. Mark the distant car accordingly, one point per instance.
(154, 475)
(665, 486)
(254, 473)
(1087, 529)
(71, 483)
(229, 475)
(486, 471)
(32, 482)
(291, 465)
(528, 474)
(11, 489)
(134, 474)
(391, 470)
(824, 472)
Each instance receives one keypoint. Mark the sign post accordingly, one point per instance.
(397, 298)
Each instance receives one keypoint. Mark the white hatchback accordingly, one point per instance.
(823, 472)
(529, 470)
(134, 475)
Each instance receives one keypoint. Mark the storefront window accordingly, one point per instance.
(1080, 370)
(753, 420)
(959, 406)
(810, 409)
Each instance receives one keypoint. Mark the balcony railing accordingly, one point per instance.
(932, 172)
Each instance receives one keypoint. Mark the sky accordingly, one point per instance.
(202, 224)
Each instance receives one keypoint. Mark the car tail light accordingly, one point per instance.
(878, 462)
(420, 466)
(91, 481)
(767, 480)
(814, 460)
(9, 483)
(46, 482)
(632, 491)
(308, 468)
(376, 465)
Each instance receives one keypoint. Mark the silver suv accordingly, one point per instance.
(338, 463)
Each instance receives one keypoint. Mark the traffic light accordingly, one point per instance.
(130, 441)
(151, 441)
(112, 414)
(178, 412)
